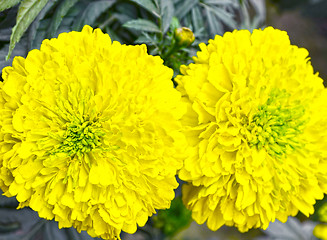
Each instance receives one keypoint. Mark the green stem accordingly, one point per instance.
(173, 49)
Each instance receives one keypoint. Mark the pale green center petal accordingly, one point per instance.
(277, 124)
(80, 137)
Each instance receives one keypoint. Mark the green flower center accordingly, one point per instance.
(80, 137)
(277, 125)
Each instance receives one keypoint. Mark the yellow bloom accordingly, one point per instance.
(322, 213)
(257, 126)
(90, 133)
(320, 231)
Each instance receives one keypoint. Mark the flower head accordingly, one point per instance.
(89, 133)
(257, 125)
(184, 36)
(320, 231)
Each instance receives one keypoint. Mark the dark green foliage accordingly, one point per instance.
(310, 8)
(129, 21)
(174, 219)
(5, 4)
(289, 4)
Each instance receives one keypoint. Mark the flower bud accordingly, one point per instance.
(184, 36)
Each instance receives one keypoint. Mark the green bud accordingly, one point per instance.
(184, 36)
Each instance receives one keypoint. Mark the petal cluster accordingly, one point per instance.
(256, 124)
(89, 133)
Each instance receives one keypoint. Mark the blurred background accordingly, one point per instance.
(306, 23)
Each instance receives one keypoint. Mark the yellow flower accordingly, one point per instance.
(320, 231)
(90, 133)
(257, 126)
(322, 213)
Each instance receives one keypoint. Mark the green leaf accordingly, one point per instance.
(174, 24)
(149, 5)
(214, 25)
(185, 8)
(5, 4)
(292, 229)
(173, 220)
(197, 19)
(91, 13)
(167, 13)
(59, 14)
(144, 39)
(113, 34)
(27, 12)
(33, 29)
(66, 24)
(142, 25)
(221, 2)
(224, 16)
(150, 40)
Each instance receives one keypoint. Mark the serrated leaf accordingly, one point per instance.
(5, 4)
(40, 34)
(167, 13)
(149, 5)
(143, 39)
(67, 22)
(35, 25)
(293, 229)
(260, 12)
(142, 25)
(91, 13)
(224, 16)
(214, 25)
(174, 24)
(197, 19)
(122, 18)
(147, 39)
(128, 10)
(220, 2)
(27, 12)
(185, 8)
(113, 35)
(59, 14)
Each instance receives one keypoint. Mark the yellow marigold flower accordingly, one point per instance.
(90, 133)
(320, 231)
(257, 126)
(322, 213)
